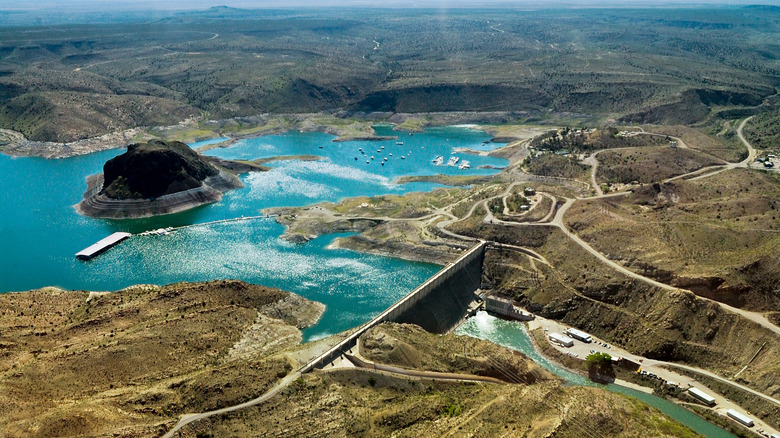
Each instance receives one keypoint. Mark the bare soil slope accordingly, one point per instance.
(717, 236)
(132, 361)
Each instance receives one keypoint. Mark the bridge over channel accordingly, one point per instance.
(436, 305)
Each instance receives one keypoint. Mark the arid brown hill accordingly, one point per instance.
(158, 178)
(154, 169)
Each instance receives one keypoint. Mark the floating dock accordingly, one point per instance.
(102, 246)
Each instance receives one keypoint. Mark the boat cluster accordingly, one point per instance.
(379, 151)
(158, 232)
(438, 161)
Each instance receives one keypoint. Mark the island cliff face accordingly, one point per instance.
(155, 178)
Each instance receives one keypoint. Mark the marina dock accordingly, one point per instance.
(101, 246)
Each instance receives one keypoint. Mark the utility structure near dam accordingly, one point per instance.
(436, 305)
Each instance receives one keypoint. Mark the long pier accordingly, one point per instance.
(398, 311)
(116, 238)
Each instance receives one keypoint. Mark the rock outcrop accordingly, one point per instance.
(153, 179)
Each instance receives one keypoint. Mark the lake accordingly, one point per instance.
(42, 231)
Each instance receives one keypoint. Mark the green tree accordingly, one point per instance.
(600, 363)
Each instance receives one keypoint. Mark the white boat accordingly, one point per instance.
(382, 147)
(464, 165)
(402, 157)
(453, 161)
(438, 160)
(372, 157)
(391, 155)
(385, 158)
(399, 143)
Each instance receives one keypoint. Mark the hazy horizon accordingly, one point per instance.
(178, 5)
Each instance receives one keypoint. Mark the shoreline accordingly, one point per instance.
(410, 253)
(20, 146)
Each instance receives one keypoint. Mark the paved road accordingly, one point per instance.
(593, 162)
(714, 376)
(758, 318)
(363, 363)
(752, 154)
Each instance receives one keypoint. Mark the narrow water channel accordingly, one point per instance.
(512, 334)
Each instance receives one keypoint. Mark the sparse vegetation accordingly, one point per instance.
(80, 364)
(66, 82)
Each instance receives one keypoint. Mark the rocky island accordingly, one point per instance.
(157, 178)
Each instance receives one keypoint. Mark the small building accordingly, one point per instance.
(673, 144)
(740, 418)
(562, 340)
(768, 164)
(504, 307)
(579, 335)
(528, 191)
(702, 396)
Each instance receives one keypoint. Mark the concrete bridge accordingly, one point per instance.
(436, 305)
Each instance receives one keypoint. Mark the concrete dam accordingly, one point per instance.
(436, 305)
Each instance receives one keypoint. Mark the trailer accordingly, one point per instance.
(561, 340)
(740, 418)
(702, 396)
(579, 335)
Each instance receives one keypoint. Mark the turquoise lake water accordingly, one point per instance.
(41, 232)
(512, 334)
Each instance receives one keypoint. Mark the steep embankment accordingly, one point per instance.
(132, 361)
(580, 290)
(155, 178)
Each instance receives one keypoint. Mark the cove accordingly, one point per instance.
(512, 334)
(41, 231)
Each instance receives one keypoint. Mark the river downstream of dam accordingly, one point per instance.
(42, 231)
(512, 334)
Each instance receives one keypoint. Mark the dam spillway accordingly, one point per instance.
(437, 305)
